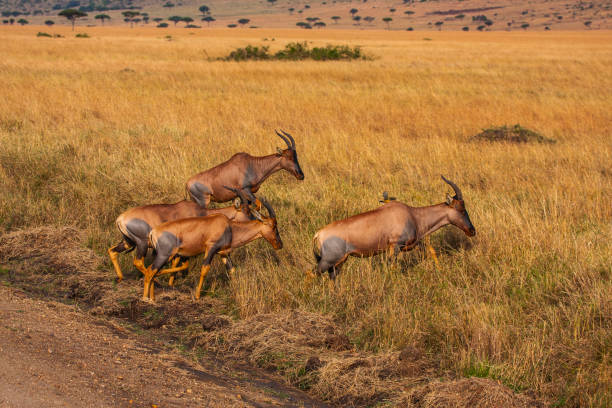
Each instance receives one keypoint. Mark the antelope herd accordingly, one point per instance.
(177, 232)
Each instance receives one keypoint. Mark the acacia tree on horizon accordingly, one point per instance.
(388, 21)
(130, 16)
(72, 15)
(243, 22)
(209, 19)
(102, 17)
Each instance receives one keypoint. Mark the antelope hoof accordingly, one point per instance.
(148, 300)
(118, 280)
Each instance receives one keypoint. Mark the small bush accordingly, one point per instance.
(512, 134)
(82, 35)
(192, 26)
(41, 34)
(297, 51)
(162, 25)
(250, 52)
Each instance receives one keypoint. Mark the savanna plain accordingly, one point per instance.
(90, 127)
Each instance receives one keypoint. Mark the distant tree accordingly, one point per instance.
(353, 11)
(410, 29)
(392, 10)
(72, 15)
(291, 10)
(319, 24)
(409, 12)
(271, 2)
(23, 21)
(187, 20)
(209, 19)
(357, 19)
(335, 18)
(130, 17)
(488, 23)
(175, 19)
(369, 19)
(11, 21)
(162, 25)
(204, 9)
(49, 22)
(168, 4)
(6, 13)
(547, 28)
(588, 24)
(388, 21)
(439, 25)
(102, 17)
(306, 6)
(466, 28)
(243, 21)
(524, 26)
(145, 17)
(312, 19)
(481, 27)
(460, 16)
(158, 19)
(232, 25)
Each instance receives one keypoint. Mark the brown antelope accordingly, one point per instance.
(243, 172)
(210, 235)
(136, 223)
(392, 227)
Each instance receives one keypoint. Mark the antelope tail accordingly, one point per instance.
(152, 239)
(316, 247)
(121, 225)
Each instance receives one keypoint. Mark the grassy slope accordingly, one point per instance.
(90, 127)
(557, 14)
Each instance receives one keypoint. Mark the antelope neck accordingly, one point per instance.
(431, 218)
(266, 165)
(245, 232)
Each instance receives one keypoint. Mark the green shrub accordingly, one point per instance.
(250, 52)
(41, 34)
(297, 51)
(82, 35)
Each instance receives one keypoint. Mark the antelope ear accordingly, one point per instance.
(279, 150)
(237, 203)
(449, 199)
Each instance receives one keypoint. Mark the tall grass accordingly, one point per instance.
(89, 129)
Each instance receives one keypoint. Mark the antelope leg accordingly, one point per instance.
(203, 273)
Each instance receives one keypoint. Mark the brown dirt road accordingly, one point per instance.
(54, 355)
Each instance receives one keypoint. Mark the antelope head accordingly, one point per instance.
(269, 229)
(458, 216)
(289, 158)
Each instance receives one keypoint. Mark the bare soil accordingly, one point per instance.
(55, 355)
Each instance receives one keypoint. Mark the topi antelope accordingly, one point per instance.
(136, 223)
(210, 235)
(392, 227)
(243, 172)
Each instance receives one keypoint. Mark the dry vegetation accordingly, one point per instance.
(92, 126)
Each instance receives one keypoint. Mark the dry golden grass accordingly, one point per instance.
(90, 127)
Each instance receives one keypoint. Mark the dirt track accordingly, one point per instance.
(53, 355)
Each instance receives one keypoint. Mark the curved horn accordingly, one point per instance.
(239, 193)
(290, 138)
(454, 186)
(287, 141)
(268, 207)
